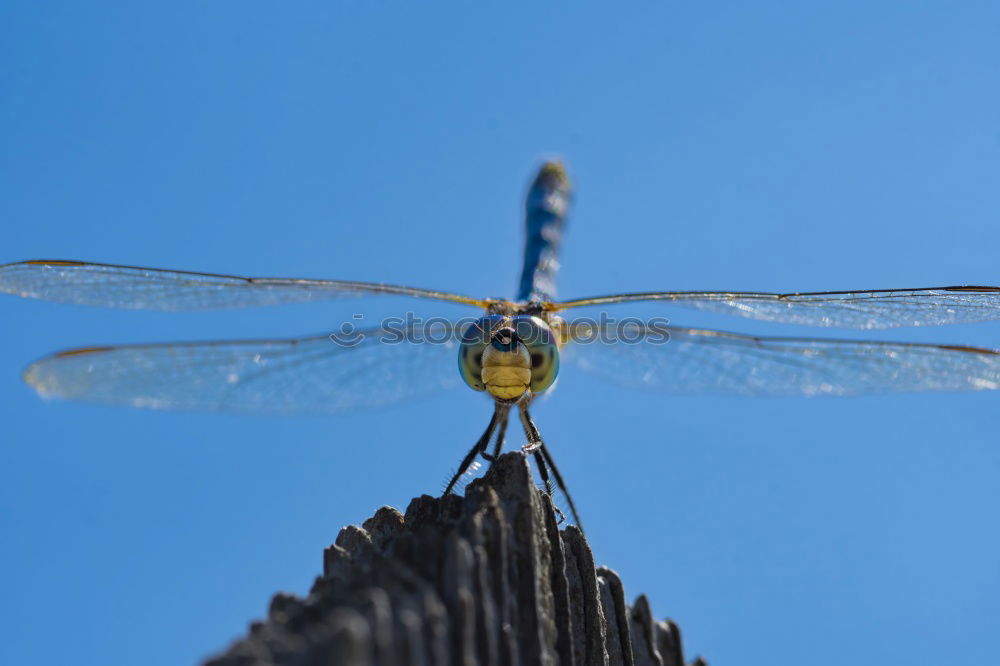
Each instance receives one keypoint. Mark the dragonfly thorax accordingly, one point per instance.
(509, 355)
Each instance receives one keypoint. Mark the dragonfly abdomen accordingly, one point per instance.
(546, 209)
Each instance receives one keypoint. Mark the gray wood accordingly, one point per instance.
(487, 579)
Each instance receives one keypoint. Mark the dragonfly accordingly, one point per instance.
(509, 350)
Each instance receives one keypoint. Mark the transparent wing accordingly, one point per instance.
(694, 361)
(293, 376)
(136, 288)
(873, 309)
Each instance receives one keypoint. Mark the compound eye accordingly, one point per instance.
(536, 335)
(470, 351)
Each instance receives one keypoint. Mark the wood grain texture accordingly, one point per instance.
(487, 579)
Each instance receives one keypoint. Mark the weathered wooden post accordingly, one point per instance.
(487, 579)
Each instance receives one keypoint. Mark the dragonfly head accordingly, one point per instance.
(507, 356)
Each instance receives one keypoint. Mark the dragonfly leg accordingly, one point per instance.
(501, 436)
(534, 438)
(499, 412)
(543, 471)
(544, 461)
(562, 485)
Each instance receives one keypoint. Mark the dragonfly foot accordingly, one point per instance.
(531, 447)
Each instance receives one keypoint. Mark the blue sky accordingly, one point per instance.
(765, 146)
